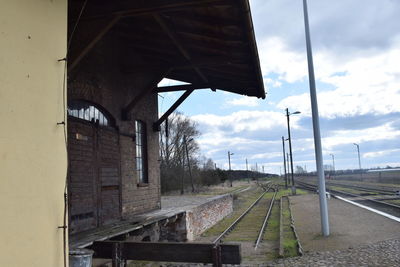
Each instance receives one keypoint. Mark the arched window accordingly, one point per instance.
(89, 112)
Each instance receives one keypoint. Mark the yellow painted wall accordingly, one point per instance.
(33, 158)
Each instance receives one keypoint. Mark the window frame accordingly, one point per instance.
(141, 157)
(93, 116)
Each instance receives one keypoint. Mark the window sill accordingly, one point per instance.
(142, 185)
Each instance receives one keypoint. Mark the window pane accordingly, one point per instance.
(86, 111)
(141, 155)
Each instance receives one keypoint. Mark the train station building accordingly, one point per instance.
(78, 105)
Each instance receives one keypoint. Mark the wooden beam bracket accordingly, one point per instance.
(157, 124)
(145, 91)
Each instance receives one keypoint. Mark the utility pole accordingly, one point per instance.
(288, 165)
(247, 172)
(284, 161)
(256, 172)
(188, 162)
(359, 159)
(229, 160)
(317, 135)
(290, 149)
(333, 160)
(183, 174)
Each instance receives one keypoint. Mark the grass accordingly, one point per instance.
(272, 231)
(289, 239)
(285, 192)
(241, 203)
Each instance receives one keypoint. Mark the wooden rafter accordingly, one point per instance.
(88, 34)
(156, 125)
(145, 91)
(183, 87)
(140, 8)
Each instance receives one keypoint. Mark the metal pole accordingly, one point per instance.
(247, 172)
(290, 152)
(284, 161)
(256, 172)
(317, 135)
(183, 174)
(359, 160)
(229, 160)
(188, 162)
(333, 160)
(288, 166)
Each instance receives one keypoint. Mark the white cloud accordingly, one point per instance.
(267, 155)
(276, 57)
(365, 85)
(380, 153)
(242, 121)
(244, 101)
(384, 132)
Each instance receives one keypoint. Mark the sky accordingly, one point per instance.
(356, 50)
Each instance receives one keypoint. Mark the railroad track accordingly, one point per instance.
(363, 188)
(259, 202)
(389, 208)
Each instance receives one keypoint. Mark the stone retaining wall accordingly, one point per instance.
(202, 217)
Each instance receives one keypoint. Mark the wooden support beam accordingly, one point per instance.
(140, 8)
(183, 87)
(178, 65)
(168, 252)
(145, 91)
(178, 44)
(156, 125)
(86, 36)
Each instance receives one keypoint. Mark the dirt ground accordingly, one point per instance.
(350, 226)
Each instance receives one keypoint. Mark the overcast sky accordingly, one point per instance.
(356, 47)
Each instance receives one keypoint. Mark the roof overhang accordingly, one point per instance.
(207, 43)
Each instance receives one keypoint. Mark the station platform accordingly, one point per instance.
(350, 225)
(358, 237)
(185, 217)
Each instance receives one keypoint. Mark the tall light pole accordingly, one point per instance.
(333, 160)
(358, 151)
(323, 205)
(288, 166)
(247, 172)
(284, 161)
(359, 159)
(229, 160)
(290, 147)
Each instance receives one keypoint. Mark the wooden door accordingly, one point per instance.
(109, 176)
(93, 175)
(82, 175)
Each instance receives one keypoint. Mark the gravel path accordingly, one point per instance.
(384, 253)
(350, 226)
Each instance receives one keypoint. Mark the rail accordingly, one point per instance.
(259, 238)
(230, 227)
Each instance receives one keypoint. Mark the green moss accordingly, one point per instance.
(290, 248)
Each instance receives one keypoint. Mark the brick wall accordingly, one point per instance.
(99, 79)
(202, 217)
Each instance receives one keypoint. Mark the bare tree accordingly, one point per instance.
(173, 151)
